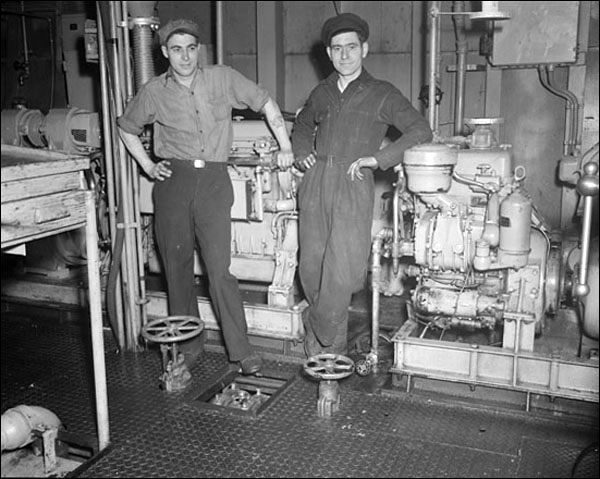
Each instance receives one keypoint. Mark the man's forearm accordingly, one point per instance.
(136, 149)
(277, 124)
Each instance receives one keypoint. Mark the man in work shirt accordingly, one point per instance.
(190, 110)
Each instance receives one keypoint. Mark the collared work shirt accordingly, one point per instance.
(352, 124)
(192, 123)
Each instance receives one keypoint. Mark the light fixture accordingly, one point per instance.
(489, 11)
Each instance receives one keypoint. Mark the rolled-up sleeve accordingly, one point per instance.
(140, 111)
(245, 93)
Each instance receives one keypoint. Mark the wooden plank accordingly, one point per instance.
(20, 163)
(33, 218)
(40, 186)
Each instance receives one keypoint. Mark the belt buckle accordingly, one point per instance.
(199, 163)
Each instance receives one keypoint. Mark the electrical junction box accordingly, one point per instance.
(536, 33)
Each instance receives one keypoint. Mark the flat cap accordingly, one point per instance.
(344, 22)
(178, 26)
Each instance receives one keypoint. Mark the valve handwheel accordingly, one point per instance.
(172, 329)
(329, 367)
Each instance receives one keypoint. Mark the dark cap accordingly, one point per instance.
(178, 26)
(344, 22)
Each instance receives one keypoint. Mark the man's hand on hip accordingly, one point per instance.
(365, 162)
(160, 171)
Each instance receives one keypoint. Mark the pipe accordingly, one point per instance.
(20, 422)
(461, 66)
(24, 31)
(384, 234)
(134, 180)
(433, 64)
(568, 143)
(489, 188)
(128, 266)
(116, 318)
(574, 103)
(220, 38)
(398, 222)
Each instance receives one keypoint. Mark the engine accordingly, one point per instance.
(478, 250)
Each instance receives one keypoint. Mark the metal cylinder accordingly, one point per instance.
(429, 168)
(515, 224)
(447, 302)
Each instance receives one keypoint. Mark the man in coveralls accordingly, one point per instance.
(190, 108)
(336, 141)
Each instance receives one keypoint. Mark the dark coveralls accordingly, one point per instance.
(195, 203)
(336, 213)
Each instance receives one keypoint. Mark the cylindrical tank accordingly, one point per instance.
(515, 225)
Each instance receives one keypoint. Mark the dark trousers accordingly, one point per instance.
(195, 204)
(335, 235)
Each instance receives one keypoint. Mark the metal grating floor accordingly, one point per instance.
(45, 362)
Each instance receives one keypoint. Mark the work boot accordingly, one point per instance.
(312, 347)
(192, 349)
(251, 365)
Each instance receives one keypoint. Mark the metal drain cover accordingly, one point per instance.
(233, 393)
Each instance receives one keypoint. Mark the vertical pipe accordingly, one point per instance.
(416, 55)
(568, 143)
(134, 196)
(126, 50)
(572, 107)
(375, 280)
(220, 38)
(109, 163)
(95, 295)
(128, 268)
(24, 31)
(396, 224)
(433, 62)
(461, 66)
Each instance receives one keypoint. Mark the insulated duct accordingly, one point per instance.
(143, 23)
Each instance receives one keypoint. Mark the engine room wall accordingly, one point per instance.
(534, 122)
(44, 55)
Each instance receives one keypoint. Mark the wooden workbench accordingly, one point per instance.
(45, 193)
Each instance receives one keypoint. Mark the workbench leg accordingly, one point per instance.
(95, 302)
